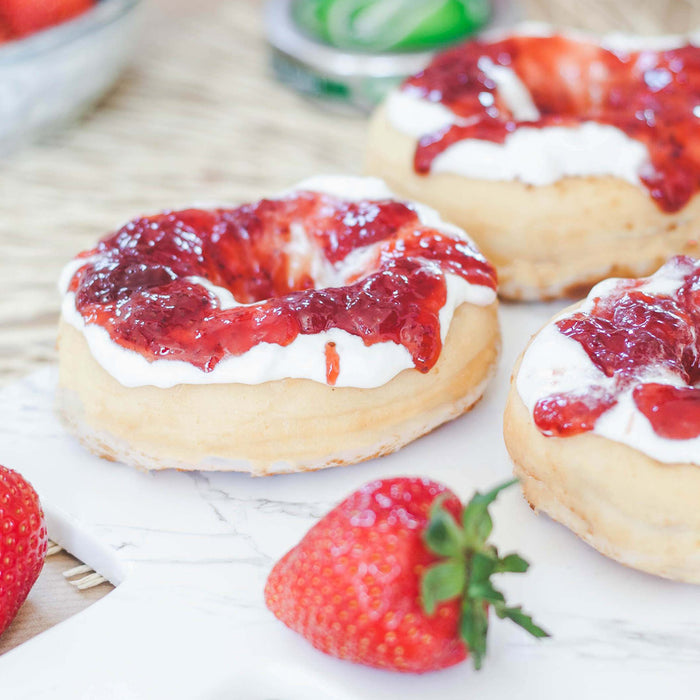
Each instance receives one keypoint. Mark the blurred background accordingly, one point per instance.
(150, 104)
(196, 116)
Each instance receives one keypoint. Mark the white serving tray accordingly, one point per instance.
(190, 554)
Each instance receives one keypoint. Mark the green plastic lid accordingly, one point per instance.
(390, 25)
(348, 54)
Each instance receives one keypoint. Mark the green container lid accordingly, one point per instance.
(390, 25)
(349, 53)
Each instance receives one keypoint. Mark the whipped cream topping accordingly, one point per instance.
(557, 364)
(361, 366)
(532, 155)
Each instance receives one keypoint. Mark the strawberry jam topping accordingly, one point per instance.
(673, 411)
(148, 284)
(652, 96)
(572, 413)
(632, 336)
(332, 364)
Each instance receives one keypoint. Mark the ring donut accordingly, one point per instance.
(603, 420)
(327, 326)
(568, 159)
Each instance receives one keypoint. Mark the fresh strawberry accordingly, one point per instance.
(23, 17)
(390, 579)
(23, 542)
(5, 34)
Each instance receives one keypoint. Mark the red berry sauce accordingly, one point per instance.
(629, 336)
(137, 283)
(652, 96)
(332, 364)
(673, 411)
(568, 414)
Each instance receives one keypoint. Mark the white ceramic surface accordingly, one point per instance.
(190, 553)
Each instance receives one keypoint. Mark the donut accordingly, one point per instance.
(323, 327)
(603, 420)
(568, 159)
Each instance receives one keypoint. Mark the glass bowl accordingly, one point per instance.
(50, 78)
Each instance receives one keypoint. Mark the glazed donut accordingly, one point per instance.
(568, 160)
(324, 327)
(603, 420)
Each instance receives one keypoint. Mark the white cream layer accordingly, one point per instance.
(531, 155)
(555, 363)
(361, 366)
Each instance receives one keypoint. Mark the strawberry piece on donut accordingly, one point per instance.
(674, 412)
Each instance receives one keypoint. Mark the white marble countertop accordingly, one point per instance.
(190, 554)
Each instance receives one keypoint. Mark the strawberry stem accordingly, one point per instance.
(465, 571)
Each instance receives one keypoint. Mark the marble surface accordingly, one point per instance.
(190, 554)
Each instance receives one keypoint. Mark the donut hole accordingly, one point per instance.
(564, 77)
(274, 262)
(310, 241)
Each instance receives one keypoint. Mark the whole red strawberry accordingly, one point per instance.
(23, 17)
(23, 542)
(390, 579)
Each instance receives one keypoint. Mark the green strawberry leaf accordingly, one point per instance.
(483, 566)
(443, 581)
(443, 535)
(512, 563)
(473, 629)
(476, 521)
(465, 572)
(525, 621)
(484, 590)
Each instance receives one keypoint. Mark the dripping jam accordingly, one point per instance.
(332, 364)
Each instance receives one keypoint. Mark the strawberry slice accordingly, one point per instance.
(398, 576)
